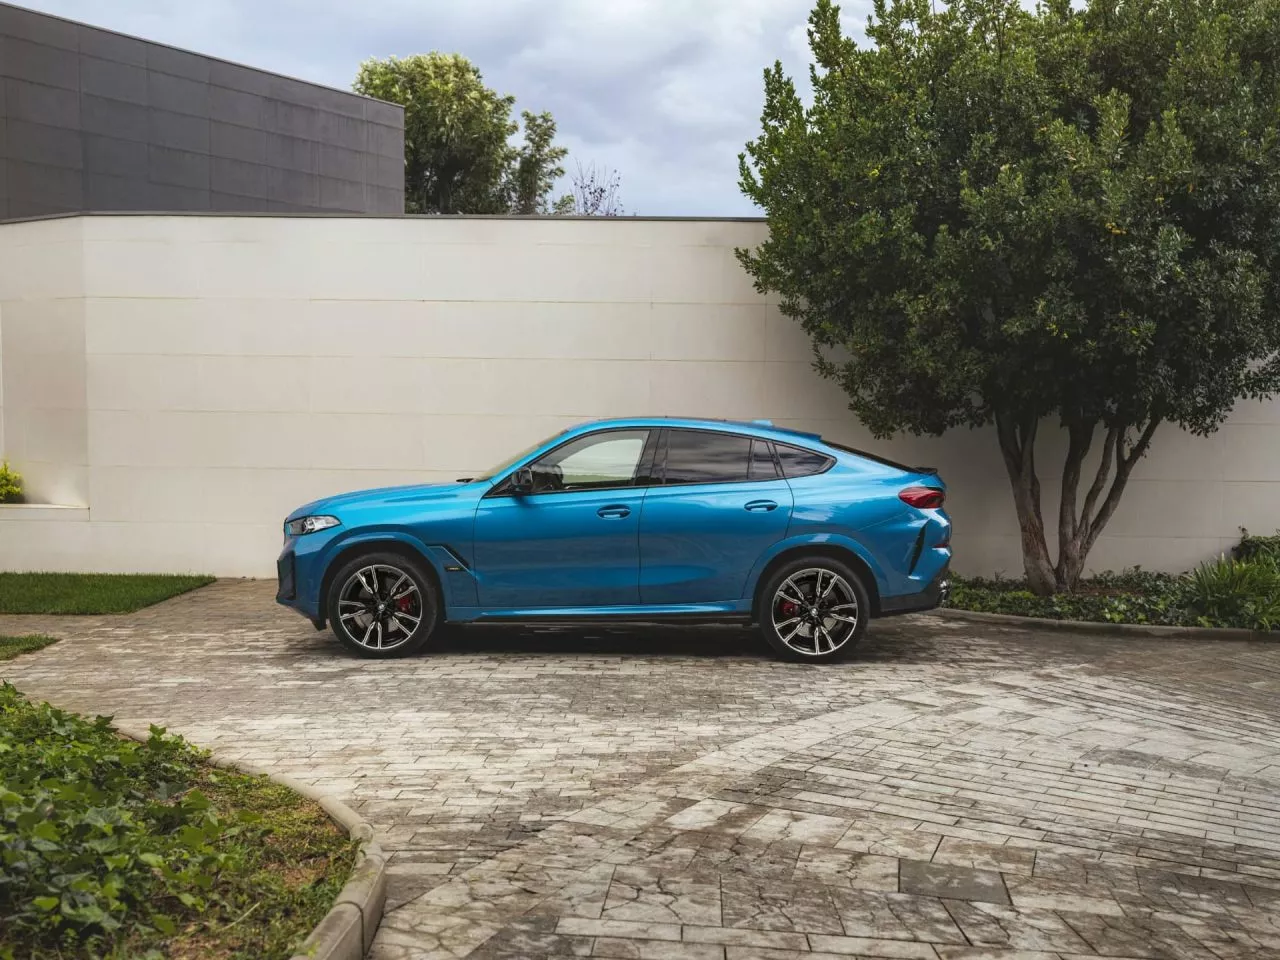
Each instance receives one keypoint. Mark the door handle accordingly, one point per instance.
(616, 510)
(758, 505)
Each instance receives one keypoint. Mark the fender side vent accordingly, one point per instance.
(919, 549)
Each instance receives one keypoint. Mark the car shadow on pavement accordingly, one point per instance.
(656, 641)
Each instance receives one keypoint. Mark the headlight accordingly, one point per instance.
(296, 528)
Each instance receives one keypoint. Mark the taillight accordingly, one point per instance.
(923, 498)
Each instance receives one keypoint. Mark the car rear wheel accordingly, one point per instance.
(382, 605)
(813, 610)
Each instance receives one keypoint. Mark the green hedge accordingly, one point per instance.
(111, 848)
(1242, 590)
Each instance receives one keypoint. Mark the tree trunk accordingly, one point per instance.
(1017, 444)
(1078, 529)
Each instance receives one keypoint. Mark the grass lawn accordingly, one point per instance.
(12, 646)
(90, 593)
(114, 848)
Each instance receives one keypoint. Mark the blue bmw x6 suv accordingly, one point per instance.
(644, 519)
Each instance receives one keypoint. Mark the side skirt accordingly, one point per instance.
(737, 611)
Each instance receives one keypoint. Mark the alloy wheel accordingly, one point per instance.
(380, 607)
(815, 611)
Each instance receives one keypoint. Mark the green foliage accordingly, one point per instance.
(12, 646)
(10, 484)
(111, 848)
(90, 593)
(993, 214)
(1251, 547)
(1130, 597)
(458, 154)
(1243, 593)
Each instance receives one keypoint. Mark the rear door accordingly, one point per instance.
(717, 503)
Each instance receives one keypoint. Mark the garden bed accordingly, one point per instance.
(111, 847)
(1241, 591)
(90, 593)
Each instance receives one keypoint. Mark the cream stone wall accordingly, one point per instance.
(182, 382)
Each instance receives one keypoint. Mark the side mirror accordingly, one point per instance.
(522, 481)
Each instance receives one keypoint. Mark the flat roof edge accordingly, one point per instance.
(341, 215)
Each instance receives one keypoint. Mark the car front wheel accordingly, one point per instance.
(813, 610)
(382, 605)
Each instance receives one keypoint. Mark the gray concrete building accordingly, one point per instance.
(92, 120)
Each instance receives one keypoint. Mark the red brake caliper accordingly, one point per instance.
(789, 608)
(404, 603)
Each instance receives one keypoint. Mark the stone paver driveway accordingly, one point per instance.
(957, 791)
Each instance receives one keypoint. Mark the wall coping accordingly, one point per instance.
(42, 511)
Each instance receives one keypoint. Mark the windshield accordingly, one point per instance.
(508, 463)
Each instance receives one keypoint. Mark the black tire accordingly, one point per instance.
(809, 644)
(375, 625)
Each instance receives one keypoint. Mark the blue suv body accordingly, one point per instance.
(640, 519)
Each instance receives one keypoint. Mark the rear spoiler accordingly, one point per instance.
(884, 460)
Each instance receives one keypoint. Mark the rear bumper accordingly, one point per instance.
(930, 597)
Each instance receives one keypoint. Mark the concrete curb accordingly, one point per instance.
(346, 931)
(1149, 631)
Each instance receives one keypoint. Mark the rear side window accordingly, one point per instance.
(797, 462)
(697, 456)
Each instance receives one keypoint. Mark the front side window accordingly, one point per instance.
(698, 456)
(594, 462)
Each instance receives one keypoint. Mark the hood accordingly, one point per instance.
(413, 493)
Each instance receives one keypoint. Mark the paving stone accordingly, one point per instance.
(950, 882)
(956, 790)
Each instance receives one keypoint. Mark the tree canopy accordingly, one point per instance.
(995, 215)
(459, 157)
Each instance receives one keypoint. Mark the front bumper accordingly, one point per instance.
(934, 595)
(286, 579)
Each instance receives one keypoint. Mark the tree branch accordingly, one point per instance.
(1124, 466)
(1080, 436)
(1100, 479)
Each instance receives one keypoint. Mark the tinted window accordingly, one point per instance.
(762, 464)
(695, 456)
(801, 463)
(596, 461)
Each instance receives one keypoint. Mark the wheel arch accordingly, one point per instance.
(835, 551)
(351, 549)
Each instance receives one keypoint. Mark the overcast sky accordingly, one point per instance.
(665, 91)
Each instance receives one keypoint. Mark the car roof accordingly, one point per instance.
(755, 428)
(760, 428)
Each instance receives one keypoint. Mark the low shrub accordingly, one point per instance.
(1242, 593)
(1251, 547)
(111, 848)
(10, 484)
(1238, 591)
(1134, 596)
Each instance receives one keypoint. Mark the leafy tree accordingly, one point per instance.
(458, 152)
(537, 168)
(993, 215)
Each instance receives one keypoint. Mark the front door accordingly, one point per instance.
(718, 503)
(572, 541)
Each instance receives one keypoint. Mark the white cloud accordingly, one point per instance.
(666, 91)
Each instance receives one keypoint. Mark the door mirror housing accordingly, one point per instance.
(522, 481)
